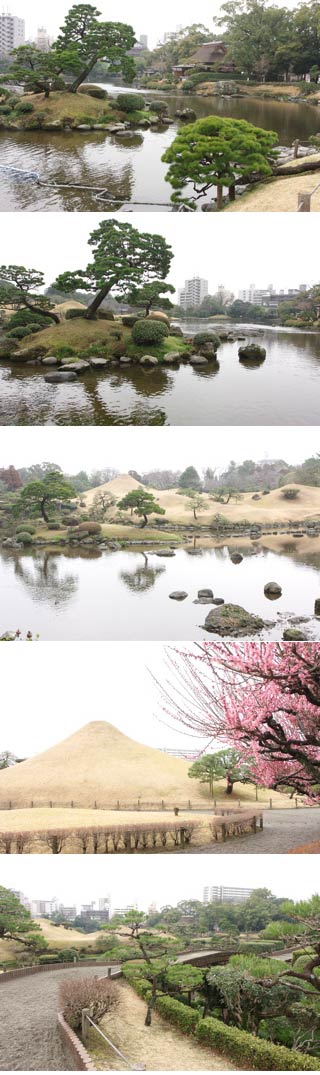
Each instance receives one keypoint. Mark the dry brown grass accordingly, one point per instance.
(74, 105)
(265, 89)
(160, 1046)
(97, 763)
(272, 508)
(78, 334)
(280, 195)
(58, 937)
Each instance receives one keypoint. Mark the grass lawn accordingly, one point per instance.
(107, 339)
(280, 195)
(73, 106)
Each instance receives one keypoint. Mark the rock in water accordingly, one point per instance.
(232, 620)
(178, 595)
(272, 590)
(60, 377)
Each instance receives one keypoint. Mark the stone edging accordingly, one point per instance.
(23, 972)
(74, 1046)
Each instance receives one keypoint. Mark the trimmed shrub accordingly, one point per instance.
(201, 338)
(160, 108)
(89, 528)
(93, 91)
(67, 955)
(250, 1051)
(24, 107)
(130, 102)
(71, 314)
(148, 331)
(185, 1018)
(26, 527)
(54, 525)
(49, 958)
(19, 333)
(25, 538)
(5, 110)
(290, 494)
(99, 996)
(105, 315)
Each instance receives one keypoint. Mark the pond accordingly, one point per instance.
(104, 595)
(128, 166)
(283, 390)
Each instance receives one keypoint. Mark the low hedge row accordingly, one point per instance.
(250, 1052)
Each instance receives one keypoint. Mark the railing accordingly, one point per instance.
(86, 1018)
(304, 200)
(194, 805)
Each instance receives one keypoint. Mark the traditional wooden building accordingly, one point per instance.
(211, 56)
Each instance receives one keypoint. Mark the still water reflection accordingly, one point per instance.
(125, 595)
(284, 390)
(129, 166)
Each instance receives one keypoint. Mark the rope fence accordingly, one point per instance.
(86, 1018)
(215, 805)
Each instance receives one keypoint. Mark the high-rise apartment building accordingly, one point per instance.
(224, 894)
(12, 33)
(43, 40)
(193, 292)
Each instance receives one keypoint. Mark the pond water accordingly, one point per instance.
(283, 390)
(128, 166)
(106, 595)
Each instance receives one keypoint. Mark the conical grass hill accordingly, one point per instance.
(98, 764)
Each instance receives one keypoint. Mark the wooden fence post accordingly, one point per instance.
(84, 1024)
(304, 203)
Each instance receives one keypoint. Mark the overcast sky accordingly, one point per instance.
(130, 701)
(169, 880)
(235, 250)
(145, 18)
(142, 449)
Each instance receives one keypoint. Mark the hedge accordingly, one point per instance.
(149, 331)
(251, 1053)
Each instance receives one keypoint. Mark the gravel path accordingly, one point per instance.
(283, 830)
(29, 1037)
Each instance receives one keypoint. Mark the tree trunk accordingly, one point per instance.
(232, 193)
(77, 82)
(194, 513)
(40, 310)
(219, 197)
(144, 521)
(43, 509)
(96, 302)
(151, 1005)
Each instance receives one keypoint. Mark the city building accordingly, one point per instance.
(43, 41)
(143, 39)
(99, 914)
(39, 908)
(224, 296)
(224, 894)
(12, 33)
(69, 913)
(193, 292)
(122, 911)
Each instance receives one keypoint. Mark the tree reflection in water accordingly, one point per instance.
(143, 577)
(43, 580)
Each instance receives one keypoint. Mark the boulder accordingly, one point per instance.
(60, 377)
(218, 601)
(50, 361)
(98, 363)
(252, 352)
(233, 621)
(24, 355)
(165, 552)
(79, 365)
(148, 360)
(291, 634)
(205, 593)
(178, 595)
(198, 360)
(317, 606)
(272, 590)
(125, 360)
(236, 558)
(172, 356)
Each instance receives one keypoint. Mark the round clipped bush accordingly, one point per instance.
(94, 91)
(25, 528)
(24, 107)
(160, 108)
(20, 333)
(71, 314)
(26, 539)
(130, 102)
(89, 528)
(201, 338)
(158, 315)
(149, 331)
(105, 315)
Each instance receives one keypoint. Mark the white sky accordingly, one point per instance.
(130, 701)
(233, 250)
(169, 880)
(142, 449)
(145, 18)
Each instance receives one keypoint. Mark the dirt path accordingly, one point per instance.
(29, 1037)
(160, 1046)
(283, 831)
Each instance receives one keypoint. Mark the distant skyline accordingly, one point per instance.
(170, 880)
(145, 18)
(136, 448)
(236, 251)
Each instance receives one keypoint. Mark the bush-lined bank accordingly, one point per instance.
(247, 1050)
(90, 108)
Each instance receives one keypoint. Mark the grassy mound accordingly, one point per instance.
(109, 339)
(66, 108)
